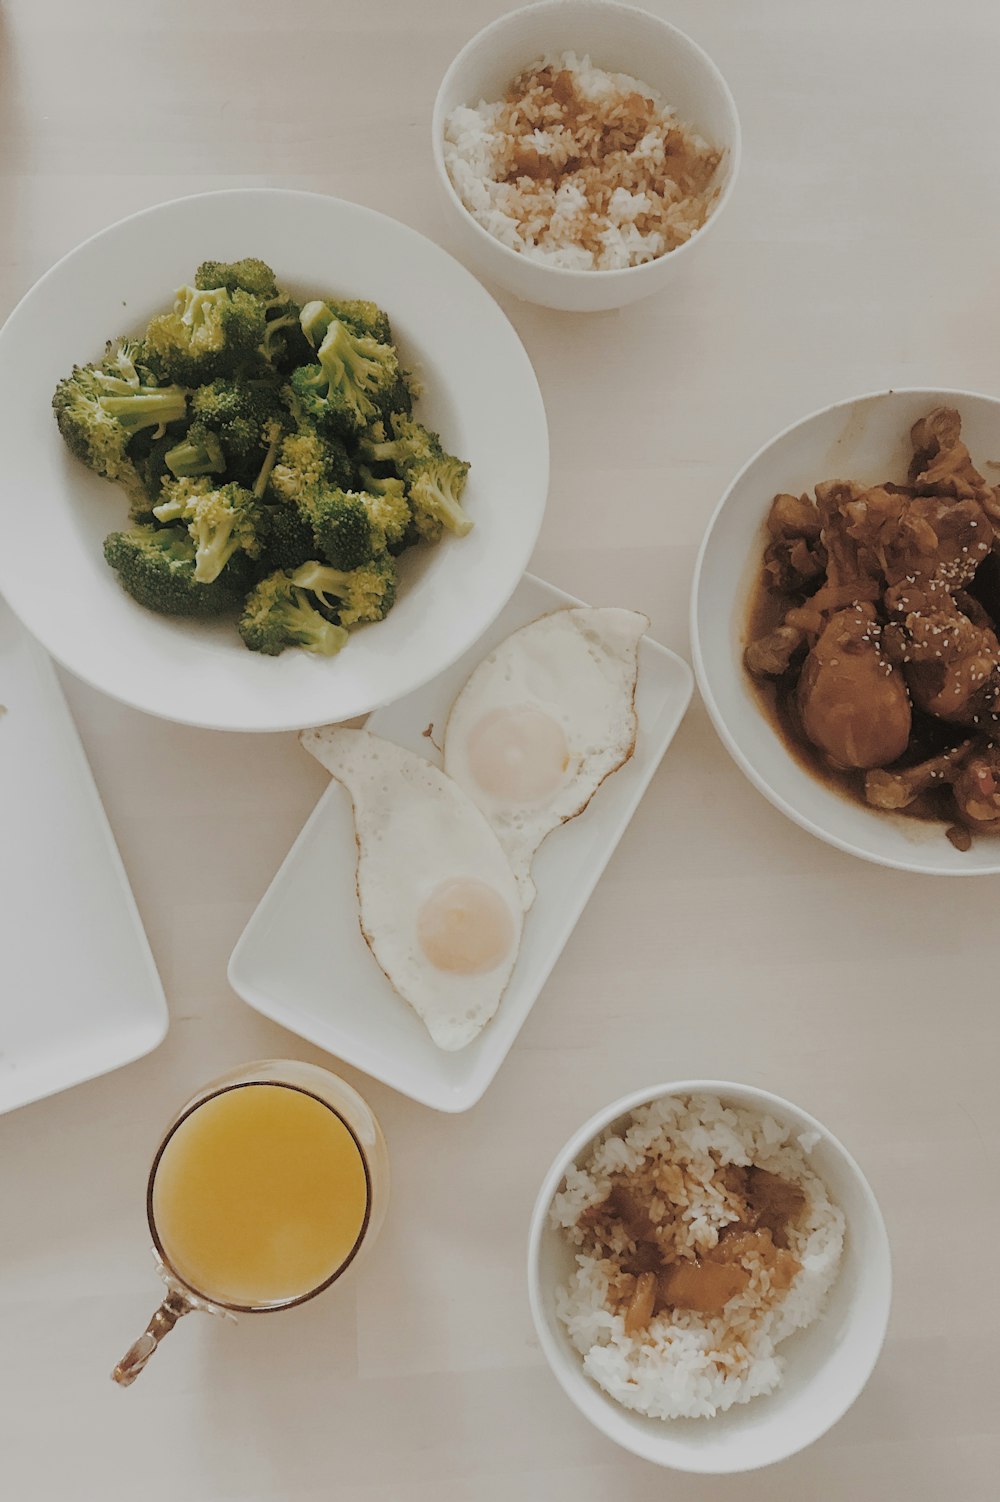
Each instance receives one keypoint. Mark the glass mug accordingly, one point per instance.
(266, 1187)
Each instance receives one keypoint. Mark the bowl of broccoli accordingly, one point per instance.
(294, 484)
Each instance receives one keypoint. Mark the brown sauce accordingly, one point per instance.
(658, 1272)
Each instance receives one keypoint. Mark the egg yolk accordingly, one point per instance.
(465, 927)
(518, 755)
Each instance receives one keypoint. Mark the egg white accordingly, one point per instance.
(578, 667)
(416, 830)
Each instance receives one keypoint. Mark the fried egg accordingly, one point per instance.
(542, 721)
(438, 903)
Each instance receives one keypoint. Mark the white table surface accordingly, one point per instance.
(861, 249)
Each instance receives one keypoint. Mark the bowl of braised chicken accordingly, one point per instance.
(846, 627)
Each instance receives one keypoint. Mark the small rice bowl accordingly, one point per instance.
(686, 1364)
(581, 169)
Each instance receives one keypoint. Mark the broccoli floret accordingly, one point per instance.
(283, 344)
(234, 425)
(435, 498)
(362, 317)
(249, 275)
(341, 391)
(288, 537)
(308, 459)
(150, 458)
(410, 448)
(434, 478)
(341, 526)
(388, 509)
(199, 452)
(279, 614)
(156, 566)
(98, 413)
(322, 406)
(221, 522)
(366, 321)
(209, 333)
(359, 595)
(315, 318)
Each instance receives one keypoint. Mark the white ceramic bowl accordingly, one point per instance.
(619, 38)
(481, 394)
(866, 439)
(826, 1365)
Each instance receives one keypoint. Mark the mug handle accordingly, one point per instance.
(174, 1306)
(178, 1302)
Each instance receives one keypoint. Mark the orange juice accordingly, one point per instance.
(260, 1195)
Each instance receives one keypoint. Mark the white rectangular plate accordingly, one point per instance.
(80, 994)
(302, 960)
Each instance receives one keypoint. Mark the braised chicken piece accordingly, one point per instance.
(895, 790)
(772, 655)
(737, 1243)
(853, 570)
(774, 1202)
(941, 464)
(642, 1303)
(977, 788)
(705, 1287)
(934, 543)
(951, 665)
(634, 1217)
(795, 557)
(853, 703)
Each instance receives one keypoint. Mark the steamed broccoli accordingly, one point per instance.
(209, 333)
(199, 452)
(150, 458)
(342, 390)
(288, 537)
(232, 429)
(388, 509)
(156, 566)
(249, 275)
(269, 454)
(357, 595)
(283, 344)
(341, 526)
(279, 614)
(435, 499)
(365, 322)
(363, 318)
(221, 522)
(100, 408)
(307, 459)
(434, 478)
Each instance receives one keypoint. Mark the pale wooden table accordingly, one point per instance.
(861, 250)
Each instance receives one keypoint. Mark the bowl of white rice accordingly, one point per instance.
(584, 149)
(732, 1379)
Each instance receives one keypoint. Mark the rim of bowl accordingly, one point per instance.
(735, 150)
(225, 726)
(773, 796)
(570, 1153)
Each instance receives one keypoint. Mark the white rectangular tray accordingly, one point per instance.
(79, 993)
(303, 962)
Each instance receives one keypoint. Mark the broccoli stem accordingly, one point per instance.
(274, 435)
(147, 407)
